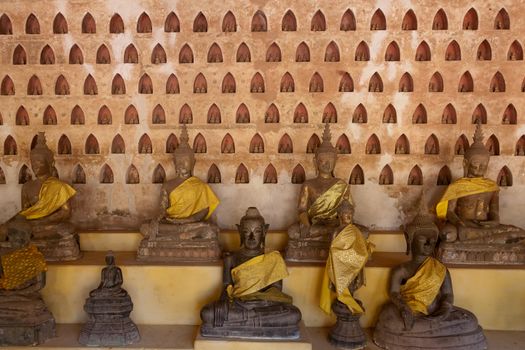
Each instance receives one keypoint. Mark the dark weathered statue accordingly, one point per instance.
(344, 274)
(24, 317)
(252, 304)
(421, 314)
(46, 208)
(182, 231)
(319, 198)
(472, 232)
(108, 308)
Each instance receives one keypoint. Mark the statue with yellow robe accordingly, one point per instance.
(421, 314)
(471, 231)
(252, 304)
(344, 274)
(24, 317)
(182, 232)
(319, 198)
(46, 208)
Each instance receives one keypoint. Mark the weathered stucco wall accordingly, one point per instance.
(119, 204)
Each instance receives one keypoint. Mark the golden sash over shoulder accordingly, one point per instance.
(325, 206)
(20, 266)
(250, 277)
(463, 187)
(348, 255)
(53, 195)
(421, 289)
(190, 197)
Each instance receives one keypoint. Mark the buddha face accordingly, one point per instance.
(325, 162)
(252, 233)
(184, 165)
(346, 216)
(477, 166)
(424, 243)
(110, 259)
(40, 165)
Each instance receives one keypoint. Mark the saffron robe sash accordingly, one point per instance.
(20, 266)
(190, 197)
(53, 195)
(325, 206)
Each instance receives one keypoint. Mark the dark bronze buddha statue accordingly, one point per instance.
(421, 314)
(252, 304)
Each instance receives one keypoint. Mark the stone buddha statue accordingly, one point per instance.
(46, 208)
(421, 314)
(24, 317)
(319, 198)
(252, 304)
(344, 274)
(182, 232)
(108, 308)
(471, 231)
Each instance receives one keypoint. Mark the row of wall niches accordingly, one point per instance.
(301, 115)
(332, 53)
(402, 145)
(259, 22)
(257, 84)
(242, 175)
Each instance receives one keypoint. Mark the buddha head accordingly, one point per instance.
(325, 154)
(184, 157)
(421, 236)
(252, 229)
(345, 213)
(476, 159)
(110, 258)
(42, 159)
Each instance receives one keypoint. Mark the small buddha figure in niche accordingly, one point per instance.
(24, 317)
(344, 274)
(46, 208)
(319, 198)
(471, 232)
(420, 313)
(108, 308)
(252, 304)
(181, 231)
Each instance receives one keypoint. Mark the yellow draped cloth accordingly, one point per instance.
(421, 289)
(325, 206)
(190, 197)
(250, 277)
(20, 266)
(463, 187)
(349, 252)
(53, 195)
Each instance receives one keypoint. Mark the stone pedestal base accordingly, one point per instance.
(211, 343)
(346, 333)
(307, 251)
(64, 248)
(27, 334)
(482, 254)
(109, 332)
(178, 251)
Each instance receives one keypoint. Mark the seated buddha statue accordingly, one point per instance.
(182, 232)
(471, 231)
(24, 317)
(46, 208)
(252, 304)
(108, 307)
(421, 314)
(319, 198)
(344, 274)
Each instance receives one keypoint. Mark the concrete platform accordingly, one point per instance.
(182, 337)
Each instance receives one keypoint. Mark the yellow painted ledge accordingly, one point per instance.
(174, 294)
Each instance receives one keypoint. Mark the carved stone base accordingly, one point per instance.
(23, 334)
(178, 251)
(59, 249)
(252, 332)
(307, 251)
(482, 254)
(346, 333)
(109, 323)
